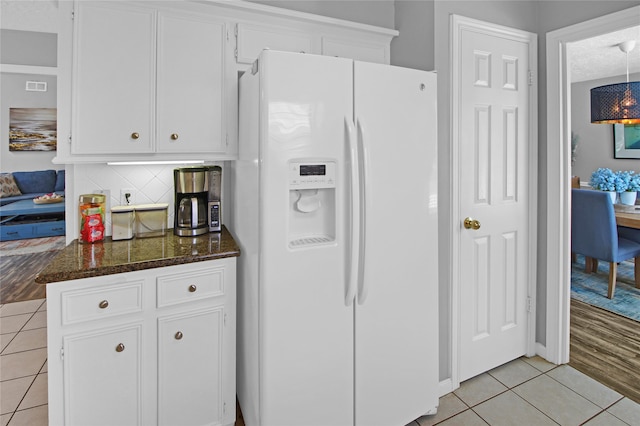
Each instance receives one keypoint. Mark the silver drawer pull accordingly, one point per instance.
(120, 347)
(178, 335)
(103, 304)
(192, 288)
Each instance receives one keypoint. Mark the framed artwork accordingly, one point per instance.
(32, 129)
(626, 141)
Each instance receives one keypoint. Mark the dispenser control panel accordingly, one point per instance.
(312, 175)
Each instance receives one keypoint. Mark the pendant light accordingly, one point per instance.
(617, 103)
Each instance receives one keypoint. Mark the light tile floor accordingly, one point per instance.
(526, 391)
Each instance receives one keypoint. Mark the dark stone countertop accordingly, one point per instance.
(84, 260)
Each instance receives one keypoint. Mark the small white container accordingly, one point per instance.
(122, 219)
(151, 220)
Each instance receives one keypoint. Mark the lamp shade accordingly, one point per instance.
(616, 103)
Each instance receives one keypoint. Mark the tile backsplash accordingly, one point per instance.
(152, 184)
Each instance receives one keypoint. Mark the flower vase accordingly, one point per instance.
(613, 195)
(628, 197)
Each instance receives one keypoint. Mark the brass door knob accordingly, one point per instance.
(120, 347)
(135, 135)
(174, 136)
(471, 224)
(103, 304)
(192, 288)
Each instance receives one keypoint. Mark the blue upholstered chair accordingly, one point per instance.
(594, 234)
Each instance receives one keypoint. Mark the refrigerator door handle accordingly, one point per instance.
(354, 213)
(365, 203)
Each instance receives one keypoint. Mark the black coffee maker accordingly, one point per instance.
(191, 201)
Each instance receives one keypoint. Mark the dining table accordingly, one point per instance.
(630, 219)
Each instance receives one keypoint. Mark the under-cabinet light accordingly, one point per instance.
(144, 163)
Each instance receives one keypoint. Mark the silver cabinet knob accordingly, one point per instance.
(192, 288)
(120, 347)
(103, 304)
(178, 335)
(174, 136)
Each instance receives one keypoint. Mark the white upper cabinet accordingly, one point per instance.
(359, 50)
(114, 79)
(158, 80)
(191, 83)
(252, 39)
(148, 81)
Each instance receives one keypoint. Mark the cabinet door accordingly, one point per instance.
(253, 39)
(190, 368)
(102, 377)
(358, 50)
(114, 79)
(190, 84)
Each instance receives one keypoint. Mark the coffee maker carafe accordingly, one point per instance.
(191, 201)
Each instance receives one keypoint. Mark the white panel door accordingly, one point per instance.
(493, 184)
(307, 328)
(397, 310)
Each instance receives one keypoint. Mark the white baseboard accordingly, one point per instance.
(445, 387)
(541, 350)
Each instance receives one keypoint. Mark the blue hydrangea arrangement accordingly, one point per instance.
(634, 182)
(603, 179)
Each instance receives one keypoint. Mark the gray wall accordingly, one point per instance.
(415, 46)
(25, 48)
(595, 143)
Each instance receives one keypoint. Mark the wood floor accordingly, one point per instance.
(18, 273)
(606, 347)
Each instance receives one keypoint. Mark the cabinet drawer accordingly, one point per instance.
(15, 232)
(188, 286)
(47, 229)
(104, 302)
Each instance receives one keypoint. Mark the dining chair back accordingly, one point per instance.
(594, 234)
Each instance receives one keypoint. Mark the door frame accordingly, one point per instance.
(558, 159)
(457, 24)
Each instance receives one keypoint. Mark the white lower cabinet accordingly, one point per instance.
(190, 368)
(152, 347)
(99, 366)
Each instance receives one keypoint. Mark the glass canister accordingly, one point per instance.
(92, 210)
(122, 219)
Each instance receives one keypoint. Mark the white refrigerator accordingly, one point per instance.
(336, 216)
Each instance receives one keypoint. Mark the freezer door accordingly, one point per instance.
(396, 333)
(306, 343)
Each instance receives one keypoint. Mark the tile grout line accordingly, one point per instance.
(26, 392)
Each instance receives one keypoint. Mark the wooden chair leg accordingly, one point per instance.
(636, 271)
(613, 273)
(590, 264)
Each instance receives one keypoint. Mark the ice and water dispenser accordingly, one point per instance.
(312, 203)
